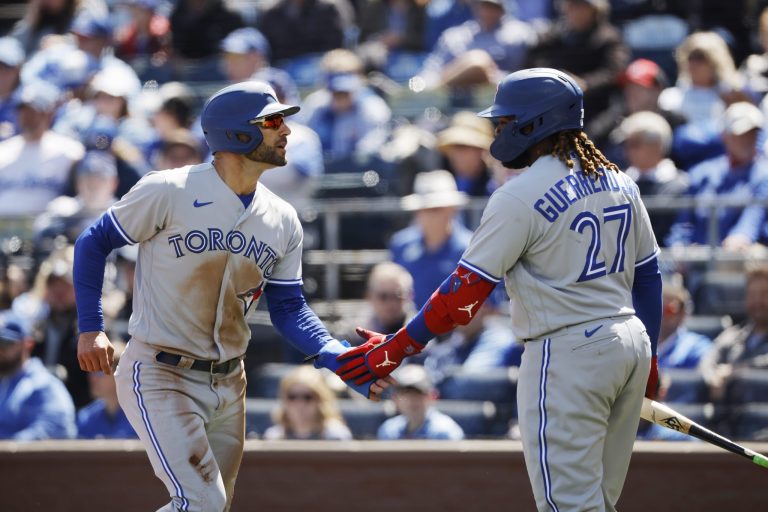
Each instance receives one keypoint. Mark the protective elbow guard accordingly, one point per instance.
(456, 301)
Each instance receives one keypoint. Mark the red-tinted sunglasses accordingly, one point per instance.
(272, 122)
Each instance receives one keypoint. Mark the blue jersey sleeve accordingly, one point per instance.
(646, 299)
(295, 320)
(91, 251)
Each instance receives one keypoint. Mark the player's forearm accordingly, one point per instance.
(295, 320)
(91, 251)
(454, 303)
(646, 299)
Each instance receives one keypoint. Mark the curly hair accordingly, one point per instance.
(575, 142)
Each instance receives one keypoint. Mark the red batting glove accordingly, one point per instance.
(377, 357)
(653, 380)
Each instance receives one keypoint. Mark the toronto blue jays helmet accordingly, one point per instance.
(547, 99)
(229, 116)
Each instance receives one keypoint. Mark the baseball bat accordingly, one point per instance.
(665, 416)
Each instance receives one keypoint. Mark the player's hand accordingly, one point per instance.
(94, 352)
(378, 387)
(653, 380)
(379, 356)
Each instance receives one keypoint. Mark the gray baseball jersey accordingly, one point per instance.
(567, 245)
(204, 259)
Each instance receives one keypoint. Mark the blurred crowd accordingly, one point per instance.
(96, 93)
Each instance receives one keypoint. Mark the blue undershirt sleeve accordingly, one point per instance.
(646, 299)
(91, 251)
(295, 320)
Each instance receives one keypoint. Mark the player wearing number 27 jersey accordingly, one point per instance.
(573, 242)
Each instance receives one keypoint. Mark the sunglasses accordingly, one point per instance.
(272, 122)
(304, 397)
(387, 297)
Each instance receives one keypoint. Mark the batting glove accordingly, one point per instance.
(653, 380)
(379, 356)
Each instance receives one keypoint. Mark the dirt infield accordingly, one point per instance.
(108, 476)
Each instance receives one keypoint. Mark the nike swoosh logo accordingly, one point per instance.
(198, 204)
(589, 333)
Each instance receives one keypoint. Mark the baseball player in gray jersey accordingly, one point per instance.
(211, 240)
(573, 242)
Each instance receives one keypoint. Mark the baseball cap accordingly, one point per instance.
(116, 80)
(87, 24)
(11, 52)
(12, 330)
(648, 124)
(645, 73)
(467, 129)
(182, 137)
(245, 40)
(40, 96)
(499, 3)
(742, 117)
(344, 82)
(413, 376)
(98, 162)
(434, 189)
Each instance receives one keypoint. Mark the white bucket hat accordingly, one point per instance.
(434, 189)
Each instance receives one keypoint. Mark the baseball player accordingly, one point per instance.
(573, 242)
(212, 240)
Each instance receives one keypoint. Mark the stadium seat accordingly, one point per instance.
(750, 422)
(498, 385)
(258, 416)
(474, 417)
(707, 325)
(721, 293)
(364, 417)
(686, 386)
(264, 380)
(749, 385)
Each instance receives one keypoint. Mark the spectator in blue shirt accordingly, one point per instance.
(479, 50)
(679, 347)
(103, 418)
(11, 60)
(431, 247)
(33, 403)
(414, 397)
(741, 174)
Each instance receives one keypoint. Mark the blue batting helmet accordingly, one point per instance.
(229, 116)
(547, 99)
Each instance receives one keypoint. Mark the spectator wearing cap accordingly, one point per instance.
(430, 248)
(35, 165)
(103, 418)
(296, 28)
(34, 405)
(57, 328)
(11, 60)
(641, 84)
(740, 174)
(350, 119)
(145, 40)
(484, 343)
(586, 46)
(414, 396)
(679, 347)
(478, 51)
(464, 144)
(647, 138)
(442, 15)
(96, 183)
(245, 56)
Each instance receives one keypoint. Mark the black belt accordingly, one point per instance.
(199, 364)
